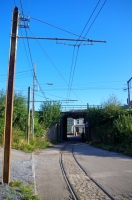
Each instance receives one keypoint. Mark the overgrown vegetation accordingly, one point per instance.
(111, 126)
(48, 115)
(26, 191)
(20, 143)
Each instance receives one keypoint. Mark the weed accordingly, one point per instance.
(16, 184)
(8, 196)
(27, 191)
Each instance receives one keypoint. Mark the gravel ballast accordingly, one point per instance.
(21, 170)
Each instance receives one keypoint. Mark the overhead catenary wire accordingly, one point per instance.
(89, 27)
(72, 75)
(94, 19)
(73, 72)
(54, 65)
(70, 72)
(88, 20)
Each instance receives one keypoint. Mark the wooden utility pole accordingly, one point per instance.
(28, 115)
(33, 108)
(10, 99)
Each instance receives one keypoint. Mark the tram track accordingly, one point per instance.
(80, 184)
(66, 178)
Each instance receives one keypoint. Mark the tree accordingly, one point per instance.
(20, 111)
(111, 101)
(101, 120)
(49, 114)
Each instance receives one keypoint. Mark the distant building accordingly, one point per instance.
(75, 125)
(70, 123)
(78, 125)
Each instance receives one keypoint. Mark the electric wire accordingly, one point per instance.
(69, 88)
(95, 18)
(31, 55)
(71, 79)
(87, 88)
(88, 20)
(90, 25)
(73, 71)
(56, 27)
(70, 72)
(27, 38)
(4, 80)
(51, 95)
(53, 64)
(26, 51)
(72, 34)
(16, 73)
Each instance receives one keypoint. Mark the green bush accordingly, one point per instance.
(19, 142)
(111, 125)
(124, 128)
(101, 120)
(49, 114)
(39, 131)
(20, 111)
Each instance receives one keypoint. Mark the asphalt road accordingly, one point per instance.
(112, 171)
(50, 183)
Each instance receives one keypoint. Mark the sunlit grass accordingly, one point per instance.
(26, 191)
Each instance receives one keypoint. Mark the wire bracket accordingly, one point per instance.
(23, 22)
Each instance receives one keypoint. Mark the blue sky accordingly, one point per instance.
(100, 70)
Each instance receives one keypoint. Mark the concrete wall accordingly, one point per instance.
(53, 133)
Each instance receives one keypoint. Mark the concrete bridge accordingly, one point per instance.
(59, 131)
(71, 111)
(75, 112)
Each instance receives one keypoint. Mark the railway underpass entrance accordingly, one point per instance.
(73, 122)
(77, 115)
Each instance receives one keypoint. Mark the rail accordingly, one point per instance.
(80, 184)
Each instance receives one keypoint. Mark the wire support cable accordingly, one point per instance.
(70, 72)
(26, 53)
(69, 88)
(72, 77)
(94, 19)
(56, 27)
(31, 56)
(53, 64)
(88, 21)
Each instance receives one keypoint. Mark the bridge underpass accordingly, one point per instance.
(75, 114)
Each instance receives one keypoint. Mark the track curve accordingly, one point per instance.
(80, 184)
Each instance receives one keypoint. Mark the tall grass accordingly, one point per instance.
(19, 141)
